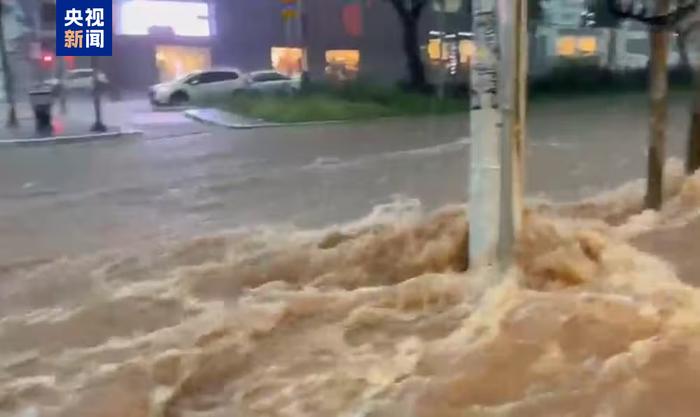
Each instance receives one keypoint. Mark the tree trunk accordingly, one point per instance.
(612, 49)
(416, 70)
(693, 156)
(7, 74)
(658, 88)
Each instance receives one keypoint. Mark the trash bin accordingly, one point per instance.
(41, 100)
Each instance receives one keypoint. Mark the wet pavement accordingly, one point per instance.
(185, 179)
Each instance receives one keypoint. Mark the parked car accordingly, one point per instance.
(78, 80)
(197, 86)
(272, 81)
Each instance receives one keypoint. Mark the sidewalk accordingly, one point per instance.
(65, 130)
(228, 120)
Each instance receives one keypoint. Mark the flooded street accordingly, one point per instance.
(326, 258)
(200, 272)
(184, 179)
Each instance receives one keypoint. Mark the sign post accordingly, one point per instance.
(497, 128)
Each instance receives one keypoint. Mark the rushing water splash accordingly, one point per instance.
(375, 319)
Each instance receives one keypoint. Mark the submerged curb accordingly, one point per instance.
(55, 140)
(219, 118)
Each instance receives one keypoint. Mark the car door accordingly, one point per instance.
(279, 82)
(271, 82)
(229, 81)
(214, 84)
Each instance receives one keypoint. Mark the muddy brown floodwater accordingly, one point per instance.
(376, 319)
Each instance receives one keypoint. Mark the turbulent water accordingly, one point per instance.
(381, 318)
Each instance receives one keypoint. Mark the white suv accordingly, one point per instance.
(197, 86)
(271, 81)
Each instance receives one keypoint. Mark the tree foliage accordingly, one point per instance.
(602, 15)
(409, 8)
(535, 11)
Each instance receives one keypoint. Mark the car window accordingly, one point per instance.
(217, 76)
(194, 79)
(269, 76)
(79, 74)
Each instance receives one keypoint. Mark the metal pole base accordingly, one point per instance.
(12, 117)
(98, 127)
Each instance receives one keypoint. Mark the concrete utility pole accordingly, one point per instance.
(498, 126)
(658, 105)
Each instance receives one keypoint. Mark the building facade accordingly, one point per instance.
(564, 13)
(158, 40)
(345, 38)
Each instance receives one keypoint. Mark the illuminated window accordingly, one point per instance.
(342, 64)
(577, 45)
(184, 18)
(566, 46)
(588, 45)
(466, 50)
(287, 61)
(434, 49)
(175, 61)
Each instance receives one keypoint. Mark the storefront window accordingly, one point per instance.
(571, 46)
(175, 61)
(343, 64)
(287, 61)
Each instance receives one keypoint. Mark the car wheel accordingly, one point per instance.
(179, 98)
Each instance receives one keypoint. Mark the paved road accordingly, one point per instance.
(186, 179)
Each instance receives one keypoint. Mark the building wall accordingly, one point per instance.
(133, 62)
(248, 30)
(565, 13)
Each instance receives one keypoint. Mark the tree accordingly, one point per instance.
(658, 89)
(658, 102)
(7, 71)
(409, 12)
(683, 19)
(535, 14)
(601, 17)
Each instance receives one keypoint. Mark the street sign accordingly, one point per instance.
(84, 28)
(290, 9)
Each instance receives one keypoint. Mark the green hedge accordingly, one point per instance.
(350, 101)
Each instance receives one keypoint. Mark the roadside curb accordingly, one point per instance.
(56, 140)
(217, 117)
